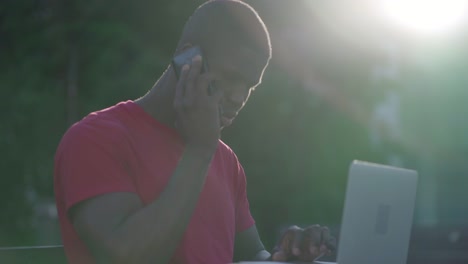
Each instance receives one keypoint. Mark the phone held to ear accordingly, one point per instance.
(186, 58)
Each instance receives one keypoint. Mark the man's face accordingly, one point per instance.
(236, 72)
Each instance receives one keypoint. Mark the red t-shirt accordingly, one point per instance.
(123, 149)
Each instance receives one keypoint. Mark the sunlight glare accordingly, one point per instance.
(426, 16)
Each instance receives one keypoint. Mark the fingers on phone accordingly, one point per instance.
(191, 85)
(180, 88)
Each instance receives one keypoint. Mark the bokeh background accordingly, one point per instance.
(345, 83)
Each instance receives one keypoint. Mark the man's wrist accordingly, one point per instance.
(263, 255)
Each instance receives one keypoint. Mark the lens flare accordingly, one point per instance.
(427, 16)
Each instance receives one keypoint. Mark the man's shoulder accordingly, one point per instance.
(225, 149)
(99, 122)
(108, 118)
(103, 125)
(227, 152)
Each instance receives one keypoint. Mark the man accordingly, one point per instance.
(149, 181)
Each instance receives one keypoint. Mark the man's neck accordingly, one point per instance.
(159, 101)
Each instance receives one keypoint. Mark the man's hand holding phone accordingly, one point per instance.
(197, 114)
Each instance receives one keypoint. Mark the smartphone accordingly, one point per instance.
(186, 58)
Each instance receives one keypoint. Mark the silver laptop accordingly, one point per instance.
(377, 215)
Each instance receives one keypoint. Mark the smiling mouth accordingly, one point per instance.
(226, 117)
(229, 116)
(226, 121)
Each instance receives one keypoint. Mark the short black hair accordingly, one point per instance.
(220, 23)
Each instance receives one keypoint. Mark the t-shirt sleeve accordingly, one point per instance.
(90, 164)
(244, 218)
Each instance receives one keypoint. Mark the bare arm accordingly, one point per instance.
(117, 228)
(248, 246)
